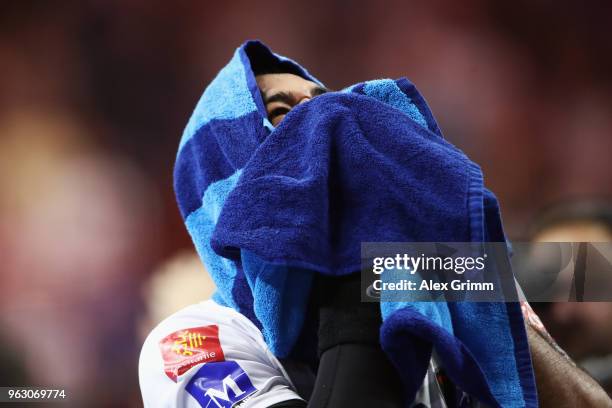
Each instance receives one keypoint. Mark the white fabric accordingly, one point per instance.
(241, 342)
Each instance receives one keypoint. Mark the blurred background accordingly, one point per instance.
(94, 96)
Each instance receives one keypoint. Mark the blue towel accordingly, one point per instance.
(269, 207)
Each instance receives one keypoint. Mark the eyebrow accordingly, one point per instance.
(318, 90)
(279, 97)
(288, 98)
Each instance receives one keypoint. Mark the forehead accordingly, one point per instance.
(283, 82)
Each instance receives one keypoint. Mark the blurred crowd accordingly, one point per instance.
(94, 96)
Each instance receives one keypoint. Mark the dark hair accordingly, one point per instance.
(264, 62)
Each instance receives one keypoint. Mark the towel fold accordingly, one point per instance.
(268, 208)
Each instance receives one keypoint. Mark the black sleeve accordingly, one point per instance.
(343, 317)
(354, 371)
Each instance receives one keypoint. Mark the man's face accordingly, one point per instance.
(282, 92)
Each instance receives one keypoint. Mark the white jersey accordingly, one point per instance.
(207, 355)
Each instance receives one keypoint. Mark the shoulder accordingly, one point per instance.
(208, 352)
(207, 314)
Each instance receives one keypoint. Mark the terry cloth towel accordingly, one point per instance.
(269, 207)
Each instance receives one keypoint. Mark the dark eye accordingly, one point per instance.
(278, 111)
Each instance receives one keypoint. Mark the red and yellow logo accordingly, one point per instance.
(186, 348)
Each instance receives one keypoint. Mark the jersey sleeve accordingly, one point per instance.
(210, 356)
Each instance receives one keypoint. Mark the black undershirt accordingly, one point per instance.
(352, 371)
